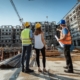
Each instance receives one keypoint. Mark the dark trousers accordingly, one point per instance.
(43, 56)
(68, 57)
(26, 52)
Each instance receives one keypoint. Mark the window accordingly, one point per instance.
(74, 17)
(6, 30)
(71, 19)
(6, 33)
(72, 29)
(73, 11)
(73, 35)
(77, 34)
(79, 7)
(9, 33)
(17, 40)
(43, 29)
(67, 17)
(17, 33)
(70, 14)
(17, 29)
(5, 40)
(2, 33)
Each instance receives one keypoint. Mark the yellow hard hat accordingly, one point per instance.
(38, 25)
(26, 24)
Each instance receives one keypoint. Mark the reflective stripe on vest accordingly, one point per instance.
(67, 39)
(25, 36)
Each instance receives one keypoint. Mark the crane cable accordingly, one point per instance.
(16, 11)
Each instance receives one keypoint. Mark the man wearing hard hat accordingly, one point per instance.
(65, 39)
(26, 38)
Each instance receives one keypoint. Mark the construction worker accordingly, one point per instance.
(26, 38)
(65, 38)
(39, 45)
(52, 46)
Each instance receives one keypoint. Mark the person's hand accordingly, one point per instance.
(58, 40)
(45, 46)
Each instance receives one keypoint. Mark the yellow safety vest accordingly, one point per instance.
(25, 37)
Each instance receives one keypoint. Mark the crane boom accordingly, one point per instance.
(16, 11)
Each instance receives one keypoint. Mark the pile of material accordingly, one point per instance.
(52, 53)
(7, 52)
(13, 62)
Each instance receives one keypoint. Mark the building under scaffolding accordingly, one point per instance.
(10, 35)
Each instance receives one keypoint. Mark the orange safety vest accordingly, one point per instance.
(67, 39)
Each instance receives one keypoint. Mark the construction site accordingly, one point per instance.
(11, 50)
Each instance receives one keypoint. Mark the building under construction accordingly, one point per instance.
(10, 35)
(10, 43)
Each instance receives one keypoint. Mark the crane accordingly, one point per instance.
(20, 19)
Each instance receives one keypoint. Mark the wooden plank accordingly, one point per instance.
(1, 52)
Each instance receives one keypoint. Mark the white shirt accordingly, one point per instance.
(38, 44)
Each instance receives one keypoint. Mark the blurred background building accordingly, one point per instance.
(10, 35)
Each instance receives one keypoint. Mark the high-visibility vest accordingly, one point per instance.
(25, 36)
(67, 39)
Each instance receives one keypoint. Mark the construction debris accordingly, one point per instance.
(13, 62)
(7, 52)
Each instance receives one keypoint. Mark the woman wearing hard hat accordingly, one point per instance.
(39, 45)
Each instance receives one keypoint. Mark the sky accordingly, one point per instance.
(34, 10)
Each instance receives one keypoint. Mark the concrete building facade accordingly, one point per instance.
(10, 35)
